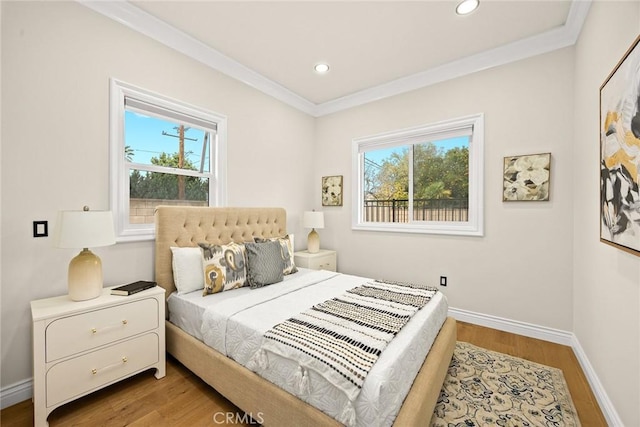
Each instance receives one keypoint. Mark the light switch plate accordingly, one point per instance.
(40, 228)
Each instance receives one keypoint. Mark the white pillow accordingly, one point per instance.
(187, 269)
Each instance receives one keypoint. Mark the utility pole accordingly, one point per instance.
(181, 130)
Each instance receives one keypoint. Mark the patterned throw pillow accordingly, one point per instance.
(264, 263)
(224, 267)
(286, 251)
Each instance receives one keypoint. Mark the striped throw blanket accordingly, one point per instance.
(342, 338)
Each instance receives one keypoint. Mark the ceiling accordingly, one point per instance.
(374, 48)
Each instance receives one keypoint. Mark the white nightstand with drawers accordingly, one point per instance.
(322, 260)
(82, 346)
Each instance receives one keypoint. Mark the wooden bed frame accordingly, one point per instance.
(187, 226)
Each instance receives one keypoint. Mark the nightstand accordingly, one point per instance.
(82, 346)
(322, 260)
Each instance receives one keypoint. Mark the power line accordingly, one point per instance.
(372, 163)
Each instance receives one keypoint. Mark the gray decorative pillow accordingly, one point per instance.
(286, 251)
(264, 263)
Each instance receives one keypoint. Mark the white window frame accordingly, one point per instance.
(119, 167)
(475, 224)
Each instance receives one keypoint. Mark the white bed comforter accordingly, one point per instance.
(234, 324)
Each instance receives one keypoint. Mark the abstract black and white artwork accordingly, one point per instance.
(620, 154)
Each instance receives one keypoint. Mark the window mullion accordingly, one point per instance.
(410, 190)
(358, 186)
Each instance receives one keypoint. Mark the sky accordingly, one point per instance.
(144, 135)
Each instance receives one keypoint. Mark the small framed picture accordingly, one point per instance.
(332, 190)
(526, 178)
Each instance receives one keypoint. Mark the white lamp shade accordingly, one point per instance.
(313, 219)
(84, 229)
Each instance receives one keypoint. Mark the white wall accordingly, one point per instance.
(57, 58)
(606, 280)
(521, 268)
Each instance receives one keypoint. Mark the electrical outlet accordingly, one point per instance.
(443, 280)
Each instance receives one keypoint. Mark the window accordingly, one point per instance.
(163, 152)
(427, 179)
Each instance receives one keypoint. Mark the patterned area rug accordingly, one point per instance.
(484, 388)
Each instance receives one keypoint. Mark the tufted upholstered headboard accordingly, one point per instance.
(187, 226)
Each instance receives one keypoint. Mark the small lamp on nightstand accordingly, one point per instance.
(313, 220)
(84, 229)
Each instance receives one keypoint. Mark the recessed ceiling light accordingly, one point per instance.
(467, 6)
(321, 68)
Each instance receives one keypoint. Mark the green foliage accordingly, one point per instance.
(156, 185)
(435, 190)
(393, 178)
(128, 153)
(437, 174)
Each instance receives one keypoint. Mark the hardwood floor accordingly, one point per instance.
(181, 399)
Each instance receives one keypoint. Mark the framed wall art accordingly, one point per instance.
(619, 158)
(332, 190)
(526, 178)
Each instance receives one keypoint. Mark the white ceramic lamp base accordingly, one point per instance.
(313, 242)
(85, 276)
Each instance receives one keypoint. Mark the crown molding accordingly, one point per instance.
(557, 38)
(136, 19)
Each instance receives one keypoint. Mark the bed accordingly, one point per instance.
(189, 226)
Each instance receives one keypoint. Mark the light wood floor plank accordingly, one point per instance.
(181, 399)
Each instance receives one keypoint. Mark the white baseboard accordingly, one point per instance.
(552, 335)
(513, 326)
(16, 393)
(610, 413)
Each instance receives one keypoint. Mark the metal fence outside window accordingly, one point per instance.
(397, 210)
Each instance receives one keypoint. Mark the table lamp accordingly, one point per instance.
(313, 220)
(84, 229)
